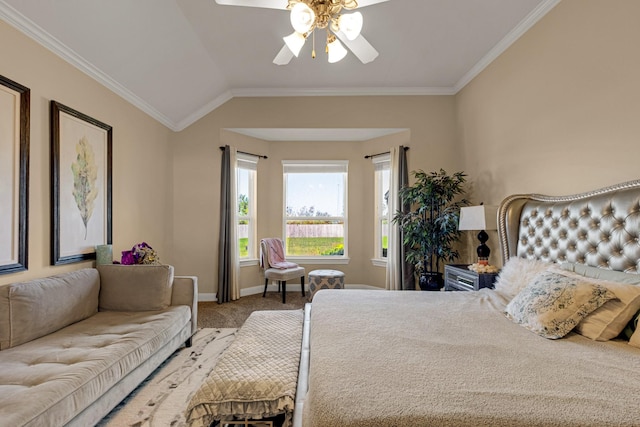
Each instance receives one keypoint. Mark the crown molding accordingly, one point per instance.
(365, 91)
(35, 32)
(202, 111)
(524, 25)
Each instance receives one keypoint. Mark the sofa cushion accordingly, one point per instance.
(61, 374)
(135, 287)
(39, 307)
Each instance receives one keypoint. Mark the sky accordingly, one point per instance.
(320, 190)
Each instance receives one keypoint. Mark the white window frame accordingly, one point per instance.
(250, 163)
(381, 163)
(317, 166)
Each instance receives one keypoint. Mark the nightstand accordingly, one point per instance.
(457, 277)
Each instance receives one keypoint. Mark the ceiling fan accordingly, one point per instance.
(309, 15)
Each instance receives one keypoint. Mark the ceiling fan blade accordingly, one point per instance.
(268, 4)
(360, 47)
(365, 3)
(284, 56)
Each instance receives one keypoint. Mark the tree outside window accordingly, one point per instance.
(246, 209)
(315, 219)
(382, 180)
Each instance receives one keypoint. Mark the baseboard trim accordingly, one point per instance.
(293, 287)
(207, 297)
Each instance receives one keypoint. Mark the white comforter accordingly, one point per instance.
(381, 358)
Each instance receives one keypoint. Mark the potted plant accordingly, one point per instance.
(430, 226)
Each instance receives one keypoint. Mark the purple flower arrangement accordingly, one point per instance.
(140, 253)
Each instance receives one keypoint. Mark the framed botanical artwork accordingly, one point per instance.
(14, 175)
(80, 185)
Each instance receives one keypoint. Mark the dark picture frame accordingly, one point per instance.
(15, 109)
(81, 200)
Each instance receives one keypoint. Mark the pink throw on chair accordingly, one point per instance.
(275, 255)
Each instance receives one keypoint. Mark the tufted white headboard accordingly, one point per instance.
(600, 228)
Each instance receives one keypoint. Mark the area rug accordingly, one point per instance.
(161, 399)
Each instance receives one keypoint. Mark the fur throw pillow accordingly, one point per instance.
(517, 273)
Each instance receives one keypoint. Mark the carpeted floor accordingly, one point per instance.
(234, 313)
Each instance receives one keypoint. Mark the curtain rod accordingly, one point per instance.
(249, 154)
(369, 156)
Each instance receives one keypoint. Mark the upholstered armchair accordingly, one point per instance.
(275, 267)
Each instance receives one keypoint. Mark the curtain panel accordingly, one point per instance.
(399, 272)
(228, 262)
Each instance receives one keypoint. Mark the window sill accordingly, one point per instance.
(379, 262)
(319, 260)
(246, 262)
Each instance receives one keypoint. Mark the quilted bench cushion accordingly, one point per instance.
(48, 380)
(257, 375)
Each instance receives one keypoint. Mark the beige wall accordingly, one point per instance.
(558, 112)
(141, 164)
(430, 122)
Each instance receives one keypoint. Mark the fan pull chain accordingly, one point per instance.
(313, 47)
(326, 48)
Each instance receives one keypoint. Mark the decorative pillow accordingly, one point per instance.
(631, 327)
(517, 273)
(608, 321)
(135, 287)
(553, 304)
(601, 273)
(635, 338)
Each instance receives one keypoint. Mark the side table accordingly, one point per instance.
(457, 277)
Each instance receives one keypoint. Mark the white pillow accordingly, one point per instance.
(608, 321)
(601, 273)
(517, 273)
(553, 304)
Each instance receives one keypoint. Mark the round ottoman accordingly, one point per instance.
(325, 279)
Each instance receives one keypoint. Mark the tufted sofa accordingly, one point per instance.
(72, 346)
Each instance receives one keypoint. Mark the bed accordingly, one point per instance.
(513, 356)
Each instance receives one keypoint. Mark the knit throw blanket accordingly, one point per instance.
(275, 255)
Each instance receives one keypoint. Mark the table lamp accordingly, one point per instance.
(479, 218)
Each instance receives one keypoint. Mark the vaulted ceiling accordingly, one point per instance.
(178, 60)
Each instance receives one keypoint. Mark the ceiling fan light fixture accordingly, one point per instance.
(302, 18)
(351, 24)
(349, 4)
(294, 42)
(335, 51)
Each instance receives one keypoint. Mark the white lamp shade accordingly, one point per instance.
(336, 51)
(478, 218)
(294, 42)
(302, 18)
(351, 24)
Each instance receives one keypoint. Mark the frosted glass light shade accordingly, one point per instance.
(336, 51)
(351, 25)
(294, 42)
(302, 18)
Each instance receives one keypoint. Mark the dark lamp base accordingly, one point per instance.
(483, 250)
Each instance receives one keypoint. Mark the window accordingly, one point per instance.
(381, 165)
(315, 214)
(246, 207)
